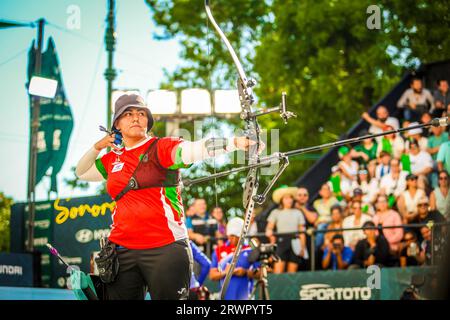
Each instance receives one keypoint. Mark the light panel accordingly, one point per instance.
(162, 102)
(226, 101)
(42, 87)
(195, 101)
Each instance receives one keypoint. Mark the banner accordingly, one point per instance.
(323, 285)
(72, 226)
(16, 270)
(55, 119)
(78, 225)
(43, 233)
(362, 284)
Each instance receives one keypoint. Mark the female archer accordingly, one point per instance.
(148, 234)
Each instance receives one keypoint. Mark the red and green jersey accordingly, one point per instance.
(145, 218)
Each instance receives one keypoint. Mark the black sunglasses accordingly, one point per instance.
(422, 204)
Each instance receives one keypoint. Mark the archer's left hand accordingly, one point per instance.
(243, 143)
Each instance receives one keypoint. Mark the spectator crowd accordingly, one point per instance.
(380, 205)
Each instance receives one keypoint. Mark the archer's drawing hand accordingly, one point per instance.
(105, 142)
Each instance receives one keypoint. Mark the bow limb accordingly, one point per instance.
(233, 54)
(252, 132)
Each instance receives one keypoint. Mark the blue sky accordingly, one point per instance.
(139, 59)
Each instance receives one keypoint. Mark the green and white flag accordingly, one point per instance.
(55, 119)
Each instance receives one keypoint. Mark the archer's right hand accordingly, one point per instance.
(105, 142)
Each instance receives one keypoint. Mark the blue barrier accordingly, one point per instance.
(12, 293)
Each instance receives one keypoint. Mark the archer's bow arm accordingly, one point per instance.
(195, 151)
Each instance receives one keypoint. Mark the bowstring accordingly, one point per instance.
(208, 42)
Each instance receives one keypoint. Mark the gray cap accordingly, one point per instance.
(131, 100)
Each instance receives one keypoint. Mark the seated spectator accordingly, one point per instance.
(253, 229)
(302, 204)
(337, 256)
(199, 224)
(340, 186)
(431, 255)
(440, 197)
(362, 181)
(421, 164)
(355, 220)
(382, 120)
(286, 219)
(372, 169)
(323, 204)
(373, 250)
(241, 281)
(409, 199)
(443, 157)
(392, 144)
(220, 232)
(415, 101)
(365, 200)
(310, 214)
(323, 207)
(384, 166)
(441, 98)
(190, 213)
(426, 118)
(425, 214)
(405, 124)
(410, 254)
(438, 137)
(416, 135)
(388, 217)
(349, 168)
(336, 223)
(365, 151)
(394, 183)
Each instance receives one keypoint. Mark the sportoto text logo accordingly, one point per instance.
(326, 292)
(86, 235)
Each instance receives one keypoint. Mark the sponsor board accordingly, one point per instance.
(45, 259)
(71, 260)
(10, 270)
(87, 235)
(42, 224)
(40, 242)
(73, 226)
(16, 269)
(321, 291)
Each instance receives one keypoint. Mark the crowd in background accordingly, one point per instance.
(384, 182)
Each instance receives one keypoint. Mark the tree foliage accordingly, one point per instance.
(418, 29)
(332, 66)
(74, 182)
(5, 217)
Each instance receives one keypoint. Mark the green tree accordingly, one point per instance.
(5, 218)
(418, 30)
(330, 64)
(319, 51)
(74, 182)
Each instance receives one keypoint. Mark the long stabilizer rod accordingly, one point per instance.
(276, 157)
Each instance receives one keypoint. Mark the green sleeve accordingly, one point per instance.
(101, 168)
(178, 164)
